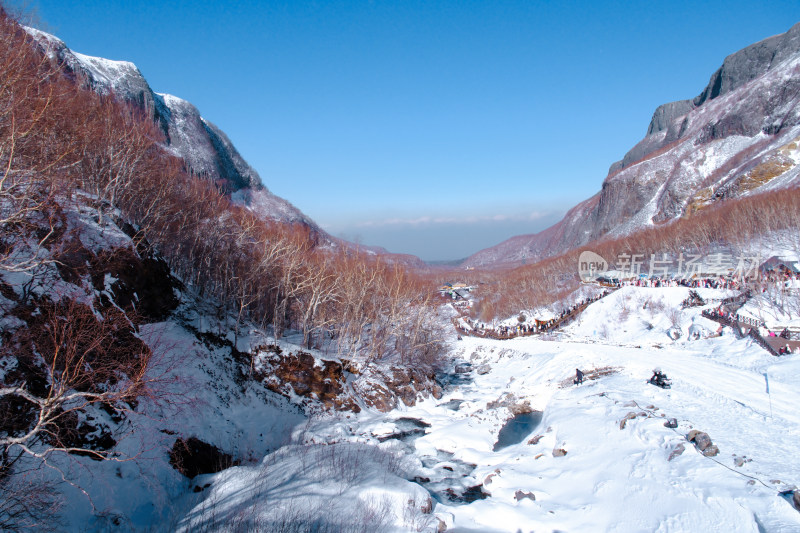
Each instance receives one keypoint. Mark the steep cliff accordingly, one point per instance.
(739, 136)
(206, 149)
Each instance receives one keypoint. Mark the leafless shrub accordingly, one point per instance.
(674, 316)
(417, 515)
(27, 502)
(624, 307)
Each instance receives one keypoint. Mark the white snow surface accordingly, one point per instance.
(366, 471)
(611, 479)
(107, 71)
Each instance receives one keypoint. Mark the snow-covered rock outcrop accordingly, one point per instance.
(206, 149)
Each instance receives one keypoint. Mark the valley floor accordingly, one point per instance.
(580, 468)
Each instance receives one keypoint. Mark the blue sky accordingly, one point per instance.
(432, 128)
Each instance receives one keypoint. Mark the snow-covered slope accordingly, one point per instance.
(593, 457)
(198, 385)
(738, 137)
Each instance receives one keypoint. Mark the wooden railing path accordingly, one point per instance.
(515, 332)
(736, 323)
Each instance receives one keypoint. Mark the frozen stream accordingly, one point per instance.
(568, 463)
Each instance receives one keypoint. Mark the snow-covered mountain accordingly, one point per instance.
(205, 148)
(739, 136)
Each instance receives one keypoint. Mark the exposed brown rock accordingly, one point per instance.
(192, 457)
(700, 438)
(324, 381)
(678, 450)
(624, 421)
(488, 479)
(377, 397)
(703, 442)
(711, 450)
(521, 495)
(299, 371)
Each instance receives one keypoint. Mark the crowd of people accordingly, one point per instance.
(480, 329)
(758, 330)
(503, 331)
(467, 326)
(693, 283)
(720, 313)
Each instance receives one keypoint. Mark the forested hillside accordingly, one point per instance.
(106, 234)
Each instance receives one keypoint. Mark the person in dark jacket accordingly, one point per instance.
(660, 379)
(578, 377)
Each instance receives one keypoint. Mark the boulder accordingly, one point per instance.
(711, 450)
(623, 422)
(559, 452)
(488, 479)
(679, 449)
(701, 439)
(463, 368)
(483, 369)
(192, 457)
(436, 391)
(671, 423)
(521, 495)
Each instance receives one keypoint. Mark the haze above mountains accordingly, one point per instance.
(748, 111)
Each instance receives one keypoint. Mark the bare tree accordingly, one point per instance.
(68, 359)
(116, 147)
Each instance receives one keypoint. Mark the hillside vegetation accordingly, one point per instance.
(74, 305)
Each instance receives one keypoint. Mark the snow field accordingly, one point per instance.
(614, 479)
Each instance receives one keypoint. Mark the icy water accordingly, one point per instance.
(453, 405)
(516, 429)
(408, 429)
(450, 480)
(447, 479)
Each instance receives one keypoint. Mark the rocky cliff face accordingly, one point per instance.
(207, 151)
(739, 136)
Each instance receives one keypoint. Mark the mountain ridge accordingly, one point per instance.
(205, 148)
(736, 138)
